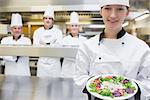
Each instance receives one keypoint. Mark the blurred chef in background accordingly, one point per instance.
(72, 40)
(16, 65)
(48, 35)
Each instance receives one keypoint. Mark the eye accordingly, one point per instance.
(50, 18)
(106, 8)
(76, 25)
(120, 9)
(19, 28)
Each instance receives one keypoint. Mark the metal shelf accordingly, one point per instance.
(37, 51)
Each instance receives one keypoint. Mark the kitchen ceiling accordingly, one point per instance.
(26, 5)
(31, 10)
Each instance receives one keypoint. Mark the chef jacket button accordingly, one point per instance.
(100, 58)
(122, 43)
(48, 43)
(147, 77)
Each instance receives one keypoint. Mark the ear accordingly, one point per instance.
(11, 29)
(128, 11)
(42, 19)
(69, 26)
(53, 22)
(100, 12)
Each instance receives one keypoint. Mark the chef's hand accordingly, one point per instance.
(10, 58)
(42, 42)
(85, 90)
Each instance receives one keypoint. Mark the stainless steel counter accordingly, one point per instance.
(37, 51)
(34, 88)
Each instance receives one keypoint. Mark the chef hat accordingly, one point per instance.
(49, 12)
(16, 20)
(112, 2)
(74, 18)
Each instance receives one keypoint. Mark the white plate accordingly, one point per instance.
(107, 97)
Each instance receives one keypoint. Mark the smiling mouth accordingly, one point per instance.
(112, 21)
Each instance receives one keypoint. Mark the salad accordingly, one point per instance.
(112, 86)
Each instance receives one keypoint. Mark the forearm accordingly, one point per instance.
(10, 58)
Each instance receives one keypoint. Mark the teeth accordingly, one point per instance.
(112, 21)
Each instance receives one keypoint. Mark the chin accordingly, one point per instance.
(114, 27)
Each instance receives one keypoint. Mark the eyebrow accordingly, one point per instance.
(114, 5)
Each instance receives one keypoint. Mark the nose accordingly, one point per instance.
(113, 13)
(17, 30)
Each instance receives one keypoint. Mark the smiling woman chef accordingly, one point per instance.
(73, 39)
(114, 51)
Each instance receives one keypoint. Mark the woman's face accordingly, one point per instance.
(16, 30)
(74, 29)
(48, 21)
(114, 16)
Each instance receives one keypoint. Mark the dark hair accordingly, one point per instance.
(126, 6)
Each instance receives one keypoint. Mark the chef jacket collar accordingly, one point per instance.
(48, 28)
(119, 35)
(72, 35)
(17, 38)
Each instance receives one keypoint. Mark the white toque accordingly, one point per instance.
(113, 2)
(49, 12)
(16, 20)
(74, 18)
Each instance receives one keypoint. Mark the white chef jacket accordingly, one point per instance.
(126, 56)
(68, 65)
(21, 67)
(47, 66)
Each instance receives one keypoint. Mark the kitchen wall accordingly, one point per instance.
(32, 11)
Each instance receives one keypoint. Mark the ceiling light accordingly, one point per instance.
(143, 16)
(96, 26)
(81, 23)
(103, 26)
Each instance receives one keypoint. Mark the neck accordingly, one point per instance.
(48, 27)
(74, 34)
(16, 38)
(111, 33)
